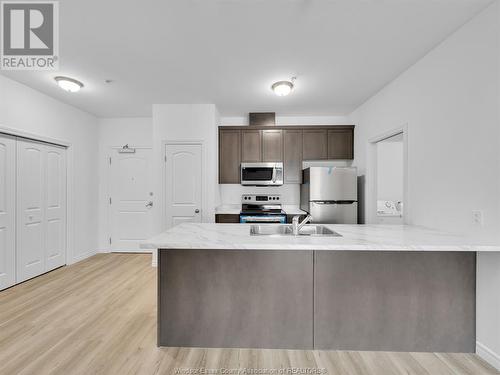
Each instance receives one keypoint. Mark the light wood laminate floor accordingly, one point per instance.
(99, 317)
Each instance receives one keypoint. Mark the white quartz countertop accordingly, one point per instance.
(228, 209)
(354, 237)
(293, 210)
(234, 209)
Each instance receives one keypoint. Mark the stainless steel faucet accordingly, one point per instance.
(296, 226)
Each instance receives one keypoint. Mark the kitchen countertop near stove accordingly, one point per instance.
(228, 209)
(354, 237)
(234, 209)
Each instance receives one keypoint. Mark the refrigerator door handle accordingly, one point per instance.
(334, 202)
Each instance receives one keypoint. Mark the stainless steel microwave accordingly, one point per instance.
(262, 174)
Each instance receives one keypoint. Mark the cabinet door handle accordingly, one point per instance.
(149, 204)
(197, 211)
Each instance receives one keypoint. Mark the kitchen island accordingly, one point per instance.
(377, 287)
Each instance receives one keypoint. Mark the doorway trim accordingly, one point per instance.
(372, 173)
(107, 189)
(70, 192)
(164, 144)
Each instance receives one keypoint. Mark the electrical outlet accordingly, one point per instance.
(477, 217)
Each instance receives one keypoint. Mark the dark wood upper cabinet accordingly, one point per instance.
(272, 145)
(290, 144)
(292, 156)
(314, 144)
(251, 146)
(340, 144)
(229, 156)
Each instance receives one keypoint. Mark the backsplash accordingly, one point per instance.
(231, 193)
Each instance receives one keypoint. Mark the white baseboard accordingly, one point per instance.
(103, 251)
(488, 355)
(154, 258)
(83, 256)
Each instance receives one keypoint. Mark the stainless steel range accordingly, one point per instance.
(262, 209)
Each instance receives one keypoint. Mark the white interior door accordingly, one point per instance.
(31, 177)
(41, 208)
(7, 211)
(55, 208)
(131, 200)
(183, 183)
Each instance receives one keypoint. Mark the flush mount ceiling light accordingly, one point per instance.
(283, 88)
(68, 84)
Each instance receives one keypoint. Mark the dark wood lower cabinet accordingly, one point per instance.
(227, 218)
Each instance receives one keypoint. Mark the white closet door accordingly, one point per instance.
(31, 180)
(55, 208)
(7, 211)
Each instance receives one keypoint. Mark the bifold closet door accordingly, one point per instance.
(55, 240)
(41, 208)
(31, 171)
(7, 211)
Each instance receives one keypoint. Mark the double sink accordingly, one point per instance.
(287, 230)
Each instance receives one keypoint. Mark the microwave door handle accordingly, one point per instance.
(274, 174)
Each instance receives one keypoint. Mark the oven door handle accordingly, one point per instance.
(256, 219)
(264, 220)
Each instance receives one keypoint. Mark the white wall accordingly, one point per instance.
(187, 122)
(449, 99)
(27, 110)
(116, 132)
(291, 120)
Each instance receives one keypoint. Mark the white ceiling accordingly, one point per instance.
(228, 52)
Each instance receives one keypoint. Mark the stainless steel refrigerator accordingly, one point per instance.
(330, 194)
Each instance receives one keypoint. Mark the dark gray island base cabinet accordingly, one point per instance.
(234, 298)
(306, 299)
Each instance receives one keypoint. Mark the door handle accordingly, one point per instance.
(149, 204)
(197, 211)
